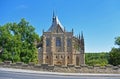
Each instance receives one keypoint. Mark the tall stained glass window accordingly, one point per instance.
(58, 41)
(68, 42)
(47, 42)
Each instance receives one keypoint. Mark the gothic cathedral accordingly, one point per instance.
(59, 47)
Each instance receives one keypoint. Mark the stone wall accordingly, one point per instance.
(58, 68)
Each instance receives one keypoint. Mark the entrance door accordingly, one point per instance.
(77, 60)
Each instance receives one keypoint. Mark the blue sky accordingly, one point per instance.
(98, 19)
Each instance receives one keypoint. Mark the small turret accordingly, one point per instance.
(72, 31)
(79, 37)
(79, 42)
(82, 42)
(82, 37)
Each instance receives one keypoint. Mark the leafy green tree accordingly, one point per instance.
(18, 41)
(117, 41)
(114, 56)
(5, 41)
(28, 38)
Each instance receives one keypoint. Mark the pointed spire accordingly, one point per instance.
(82, 37)
(53, 14)
(79, 41)
(72, 31)
(79, 37)
(82, 42)
(53, 18)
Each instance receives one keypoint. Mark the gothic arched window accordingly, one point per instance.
(68, 57)
(47, 42)
(68, 42)
(58, 41)
(47, 57)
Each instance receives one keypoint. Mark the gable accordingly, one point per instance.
(56, 26)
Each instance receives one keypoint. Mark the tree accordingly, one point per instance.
(117, 41)
(5, 41)
(114, 56)
(18, 41)
(28, 38)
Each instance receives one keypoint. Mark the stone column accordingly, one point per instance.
(82, 58)
(62, 44)
(65, 50)
(44, 49)
(73, 53)
(52, 50)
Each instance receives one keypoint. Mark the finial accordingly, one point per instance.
(53, 18)
(53, 14)
(72, 30)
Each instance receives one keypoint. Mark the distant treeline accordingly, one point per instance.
(97, 58)
(104, 58)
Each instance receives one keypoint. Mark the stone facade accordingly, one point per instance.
(60, 47)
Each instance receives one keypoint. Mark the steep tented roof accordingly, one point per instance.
(56, 25)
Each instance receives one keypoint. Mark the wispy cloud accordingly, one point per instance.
(22, 6)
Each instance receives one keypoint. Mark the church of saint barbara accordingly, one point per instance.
(59, 47)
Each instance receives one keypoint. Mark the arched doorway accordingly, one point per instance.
(77, 60)
(59, 63)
